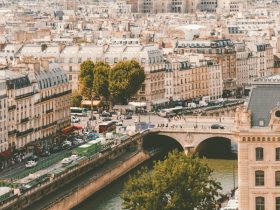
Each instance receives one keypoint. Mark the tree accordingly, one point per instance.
(76, 99)
(125, 80)
(180, 182)
(101, 79)
(86, 78)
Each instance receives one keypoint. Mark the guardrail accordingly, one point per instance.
(42, 165)
(90, 160)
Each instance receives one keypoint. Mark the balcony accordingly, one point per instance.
(24, 95)
(49, 111)
(23, 133)
(56, 95)
(49, 125)
(10, 108)
(13, 132)
(24, 120)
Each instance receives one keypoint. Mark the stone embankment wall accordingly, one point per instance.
(83, 192)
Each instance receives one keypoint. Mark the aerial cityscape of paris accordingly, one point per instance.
(139, 104)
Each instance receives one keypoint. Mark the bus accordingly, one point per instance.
(107, 127)
(77, 111)
(171, 112)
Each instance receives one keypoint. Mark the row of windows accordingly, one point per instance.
(259, 154)
(259, 178)
(260, 203)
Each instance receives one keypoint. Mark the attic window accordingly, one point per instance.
(261, 123)
(277, 113)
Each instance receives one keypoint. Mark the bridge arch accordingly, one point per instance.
(224, 147)
(155, 140)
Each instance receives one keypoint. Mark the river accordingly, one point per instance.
(109, 197)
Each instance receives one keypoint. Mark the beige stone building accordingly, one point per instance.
(3, 116)
(37, 105)
(258, 128)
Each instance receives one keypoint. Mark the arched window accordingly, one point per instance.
(259, 153)
(259, 178)
(259, 203)
(277, 153)
(277, 178)
(277, 203)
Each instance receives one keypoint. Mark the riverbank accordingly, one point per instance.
(109, 197)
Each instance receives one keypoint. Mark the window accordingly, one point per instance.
(277, 203)
(259, 203)
(70, 68)
(259, 178)
(70, 77)
(277, 153)
(277, 178)
(259, 153)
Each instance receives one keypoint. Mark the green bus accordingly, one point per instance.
(77, 111)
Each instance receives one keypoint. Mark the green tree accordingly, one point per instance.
(179, 182)
(86, 78)
(125, 79)
(76, 99)
(101, 79)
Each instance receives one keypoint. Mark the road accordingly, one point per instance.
(185, 122)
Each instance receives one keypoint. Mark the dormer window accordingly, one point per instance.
(277, 113)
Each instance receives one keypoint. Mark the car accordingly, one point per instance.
(66, 161)
(217, 126)
(33, 158)
(66, 144)
(74, 119)
(78, 141)
(106, 119)
(30, 164)
(127, 117)
(106, 114)
(119, 123)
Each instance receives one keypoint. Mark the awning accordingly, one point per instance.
(6, 154)
(160, 101)
(78, 127)
(88, 103)
(137, 104)
(68, 129)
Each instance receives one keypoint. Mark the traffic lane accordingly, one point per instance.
(21, 167)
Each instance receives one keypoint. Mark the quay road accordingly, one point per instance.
(184, 122)
(82, 180)
(18, 168)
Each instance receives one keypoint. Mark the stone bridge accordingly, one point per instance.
(191, 138)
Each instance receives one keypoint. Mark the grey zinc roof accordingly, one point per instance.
(262, 100)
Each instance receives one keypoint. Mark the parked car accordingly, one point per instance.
(217, 126)
(119, 123)
(106, 114)
(127, 117)
(106, 119)
(74, 119)
(30, 164)
(66, 144)
(78, 141)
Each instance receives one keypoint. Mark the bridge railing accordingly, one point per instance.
(198, 129)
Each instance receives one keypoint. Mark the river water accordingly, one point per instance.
(225, 171)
